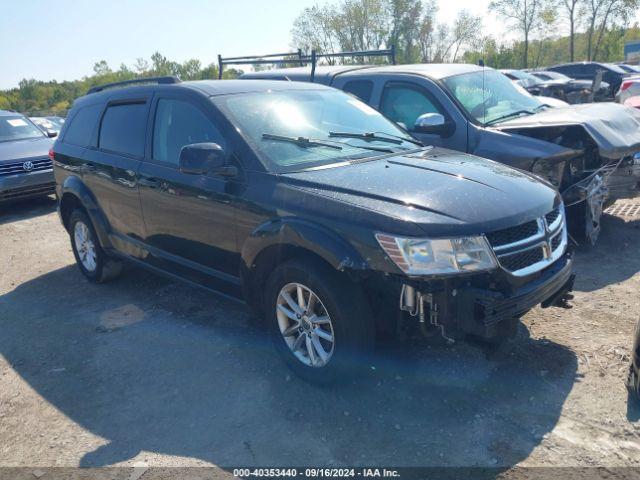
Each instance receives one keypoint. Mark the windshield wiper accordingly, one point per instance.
(366, 136)
(306, 142)
(509, 115)
(303, 142)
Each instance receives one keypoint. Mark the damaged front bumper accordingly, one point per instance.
(479, 305)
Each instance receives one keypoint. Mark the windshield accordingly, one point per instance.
(17, 127)
(299, 129)
(489, 96)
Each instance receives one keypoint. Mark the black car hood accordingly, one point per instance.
(22, 149)
(614, 128)
(440, 190)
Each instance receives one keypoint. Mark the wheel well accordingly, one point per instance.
(68, 204)
(266, 261)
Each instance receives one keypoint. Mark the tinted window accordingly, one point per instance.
(405, 103)
(360, 88)
(178, 124)
(80, 129)
(123, 128)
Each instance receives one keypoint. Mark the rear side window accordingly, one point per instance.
(80, 129)
(360, 88)
(123, 129)
(179, 123)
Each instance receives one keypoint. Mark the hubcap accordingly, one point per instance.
(85, 247)
(305, 325)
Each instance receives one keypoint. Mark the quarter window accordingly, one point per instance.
(123, 129)
(82, 126)
(178, 123)
(404, 104)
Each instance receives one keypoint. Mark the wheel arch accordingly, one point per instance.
(75, 194)
(273, 243)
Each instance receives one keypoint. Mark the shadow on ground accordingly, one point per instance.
(615, 255)
(25, 209)
(152, 365)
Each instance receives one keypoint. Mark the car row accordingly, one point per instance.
(345, 202)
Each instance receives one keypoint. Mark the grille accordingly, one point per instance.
(513, 234)
(552, 216)
(521, 260)
(531, 246)
(17, 167)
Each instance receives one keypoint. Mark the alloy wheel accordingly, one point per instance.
(305, 325)
(85, 247)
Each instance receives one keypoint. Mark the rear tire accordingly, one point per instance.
(91, 259)
(320, 322)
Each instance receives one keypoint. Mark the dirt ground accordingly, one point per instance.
(148, 372)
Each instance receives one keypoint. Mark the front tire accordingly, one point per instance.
(319, 320)
(91, 259)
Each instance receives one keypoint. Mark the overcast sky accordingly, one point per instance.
(62, 39)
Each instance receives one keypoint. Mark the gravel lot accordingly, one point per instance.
(145, 371)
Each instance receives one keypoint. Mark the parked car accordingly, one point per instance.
(630, 87)
(25, 167)
(331, 220)
(531, 84)
(612, 74)
(48, 124)
(633, 69)
(633, 379)
(568, 89)
(586, 151)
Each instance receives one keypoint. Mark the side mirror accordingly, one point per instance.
(201, 158)
(52, 133)
(433, 123)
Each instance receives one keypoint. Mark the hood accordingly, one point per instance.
(22, 149)
(614, 128)
(442, 191)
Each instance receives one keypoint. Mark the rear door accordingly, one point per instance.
(116, 160)
(189, 218)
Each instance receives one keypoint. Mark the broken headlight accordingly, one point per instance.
(422, 256)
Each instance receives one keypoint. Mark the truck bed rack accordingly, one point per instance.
(302, 59)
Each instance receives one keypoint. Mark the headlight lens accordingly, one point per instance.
(420, 256)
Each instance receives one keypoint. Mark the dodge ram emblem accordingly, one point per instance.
(27, 166)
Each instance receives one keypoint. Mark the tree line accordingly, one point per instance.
(35, 97)
(548, 32)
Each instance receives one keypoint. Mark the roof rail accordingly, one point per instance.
(298, 57)
(269, 59)
(167, 80)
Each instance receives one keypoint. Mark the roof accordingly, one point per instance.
(7, 113)
(207, 87)
(229, 87)
(324, 74)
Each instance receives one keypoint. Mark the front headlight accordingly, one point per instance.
(421, 256)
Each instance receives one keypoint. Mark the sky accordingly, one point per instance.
(66, 37)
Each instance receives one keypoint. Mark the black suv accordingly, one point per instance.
(329, 220)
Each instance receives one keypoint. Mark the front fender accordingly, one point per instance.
(306, 235)
(73, 185)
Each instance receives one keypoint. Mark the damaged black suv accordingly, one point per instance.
(328, 219)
